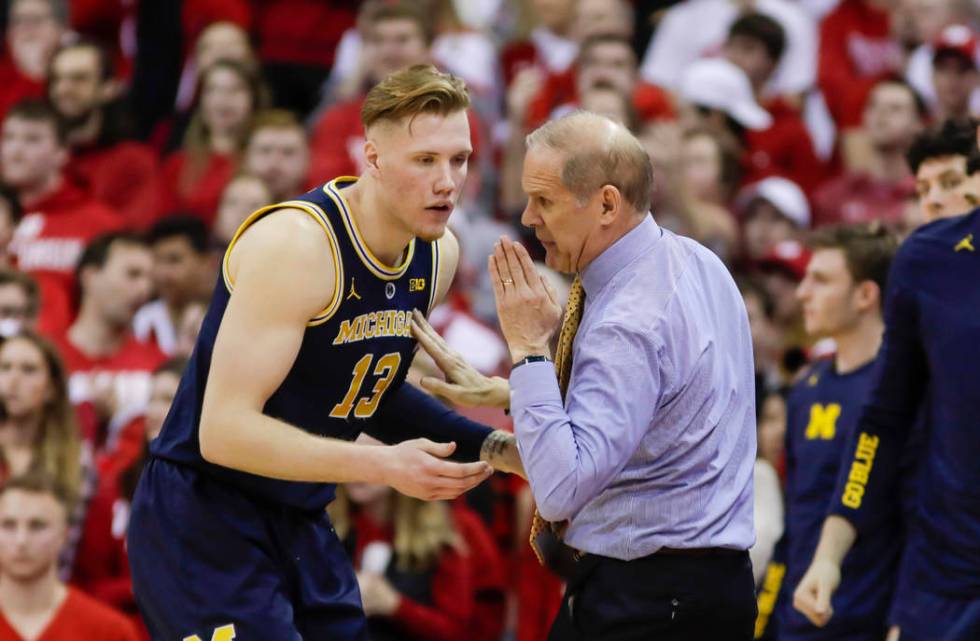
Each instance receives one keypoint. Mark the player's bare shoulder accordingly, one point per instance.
(448, 261)
(288, 252)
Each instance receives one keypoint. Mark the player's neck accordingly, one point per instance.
(39, 596)
(385, 240)
(94, 336)
(859, 345)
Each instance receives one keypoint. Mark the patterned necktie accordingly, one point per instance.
(563, 368)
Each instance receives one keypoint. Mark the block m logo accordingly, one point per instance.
(823, 421)
(224, 633)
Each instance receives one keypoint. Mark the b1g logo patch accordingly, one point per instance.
(416, 284)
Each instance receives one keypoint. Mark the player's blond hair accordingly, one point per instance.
(412, 91)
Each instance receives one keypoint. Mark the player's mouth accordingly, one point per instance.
(442, 208)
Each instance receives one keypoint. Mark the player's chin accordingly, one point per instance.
(430, 232)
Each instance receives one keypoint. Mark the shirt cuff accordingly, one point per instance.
(532, 384)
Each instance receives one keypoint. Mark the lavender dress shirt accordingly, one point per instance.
(655, 444)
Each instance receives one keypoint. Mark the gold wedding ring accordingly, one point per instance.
(507, 281)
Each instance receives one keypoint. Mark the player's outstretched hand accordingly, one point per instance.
(464, 385)
(416, 468)
(812, 596)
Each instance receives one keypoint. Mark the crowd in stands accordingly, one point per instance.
(136, 136)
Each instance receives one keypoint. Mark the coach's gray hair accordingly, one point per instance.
(598, 152)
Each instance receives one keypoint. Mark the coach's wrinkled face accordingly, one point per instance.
(562, 221)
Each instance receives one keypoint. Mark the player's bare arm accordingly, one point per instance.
(275, 293)
(812, 595)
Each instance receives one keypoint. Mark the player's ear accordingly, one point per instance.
(869, 294)
(371, 156)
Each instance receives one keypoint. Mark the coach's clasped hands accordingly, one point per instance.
(527, 304)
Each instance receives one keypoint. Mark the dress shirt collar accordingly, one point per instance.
(621, 253)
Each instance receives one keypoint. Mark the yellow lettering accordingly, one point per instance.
(358, 328)
(416, 284)
(766, 601)
(857, 477)
(400, 324)
(224, 633)
(345, 333)
(370, 325)
(823, 421)
(390, 322)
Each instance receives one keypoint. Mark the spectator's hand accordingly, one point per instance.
(377, 595)
(415, 468)
(812, 596)
(464, 385)
(527, 305)
(523, 88)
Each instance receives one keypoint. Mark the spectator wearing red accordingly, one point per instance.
(10, 214)
(756, 44)
(954, 72)
(856, 50)
(101, 565)
(59, 217)
(893, 116)
(108, 367)
(550, 46)
(396, 35)
(122, 173)
(278, 153)
(411, 559)
(194, 176)
(184, 271)
(602, 59)
(297, 41)
(34, 604)
(34, 29)
(20, 299)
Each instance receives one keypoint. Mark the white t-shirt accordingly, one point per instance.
(697, 29)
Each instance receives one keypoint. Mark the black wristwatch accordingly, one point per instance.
(534, 358)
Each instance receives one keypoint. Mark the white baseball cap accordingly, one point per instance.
(719, 84)
(781, 193)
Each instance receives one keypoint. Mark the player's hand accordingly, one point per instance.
(416, 468)
(464, 385)
(527, 304)
(500, 450)
(812, 596)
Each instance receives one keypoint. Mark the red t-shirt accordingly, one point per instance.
(80, 618)
(858, 198)
(129, 371)
(650, 101)
(48, 243)
(302, 31)
(195, 194)
(785, 149)
(337, 145)
(124, 176)
(15, 86)
(856, 50)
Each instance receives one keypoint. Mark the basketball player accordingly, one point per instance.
(841, 299)
(306, 344)
(930, 363)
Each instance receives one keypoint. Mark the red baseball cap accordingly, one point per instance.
(959, 40)
(789, 256)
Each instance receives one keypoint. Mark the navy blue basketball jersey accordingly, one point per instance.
(353, 352)
(822, 412)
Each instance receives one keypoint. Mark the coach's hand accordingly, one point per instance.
(527, 305)
(812, 596)
(416, 468)
(464, 385)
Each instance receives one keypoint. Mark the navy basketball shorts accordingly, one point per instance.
(210, 563)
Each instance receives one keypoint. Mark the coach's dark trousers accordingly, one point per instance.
(682, 596)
